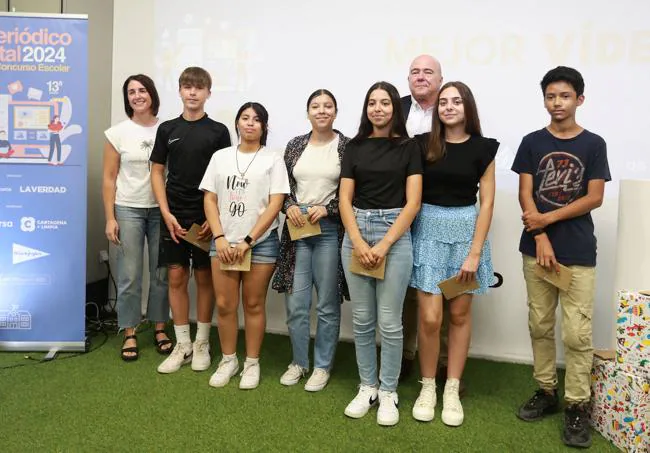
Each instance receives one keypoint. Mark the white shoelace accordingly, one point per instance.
(222, 369)
(427, 394)
(385, 396)
(295, 370)
(451, 399)
(247, 367)
(319, 374)
(365, 392)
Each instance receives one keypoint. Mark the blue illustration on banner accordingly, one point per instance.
(43, 162)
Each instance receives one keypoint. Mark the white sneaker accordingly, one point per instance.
(227, 368)
(181, 355)
(318, 380)
(250, 376)
(452, 410)
(361, 404)
(425, 405)
(388, 414)
(293, 374)
(201, 355)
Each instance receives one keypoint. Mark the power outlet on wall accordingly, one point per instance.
(103, 256)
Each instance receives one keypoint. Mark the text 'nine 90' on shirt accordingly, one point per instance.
(379, 167)
(186, 148)
(242, 198)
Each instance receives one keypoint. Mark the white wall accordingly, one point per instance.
(278, 55)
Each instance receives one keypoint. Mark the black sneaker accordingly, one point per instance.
(576, 426)
(540, 405)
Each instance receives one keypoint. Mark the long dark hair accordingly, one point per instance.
(148, 84)
(261, 113)
(397, 126)
(437, 149)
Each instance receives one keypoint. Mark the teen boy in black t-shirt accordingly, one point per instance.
(184, 146)
(562, 173)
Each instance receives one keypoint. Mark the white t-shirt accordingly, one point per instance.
(134, 143)
(317, 173)
(242, 199)
(418, 120)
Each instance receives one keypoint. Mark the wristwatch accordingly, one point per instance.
(249, 240)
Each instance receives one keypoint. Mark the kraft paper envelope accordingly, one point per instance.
(453, 288)
(305, 231)
(357, 268)
(605, 354)
(244, 266)
(561, 280)
(192, 237)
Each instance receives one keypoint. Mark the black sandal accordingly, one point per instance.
(132, 349)
(160, 343)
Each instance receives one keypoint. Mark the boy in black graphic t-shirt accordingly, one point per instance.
(184, 146)
(562, 173)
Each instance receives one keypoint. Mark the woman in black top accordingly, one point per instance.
(380, 190)
(450, 239)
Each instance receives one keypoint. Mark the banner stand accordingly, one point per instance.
(43, 178)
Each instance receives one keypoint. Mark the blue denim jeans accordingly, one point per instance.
(378, 303)
(317, 260)
(136, 224)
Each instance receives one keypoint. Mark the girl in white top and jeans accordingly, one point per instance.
(244, 187)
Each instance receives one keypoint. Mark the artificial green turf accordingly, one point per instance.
(97, 402)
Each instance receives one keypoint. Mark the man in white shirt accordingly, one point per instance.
(425, 80)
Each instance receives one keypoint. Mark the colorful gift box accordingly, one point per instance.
(620, 406)
(633, 333)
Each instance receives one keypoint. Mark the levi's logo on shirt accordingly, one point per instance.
(562, 177)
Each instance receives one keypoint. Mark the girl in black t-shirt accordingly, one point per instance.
(380, 191)
(450, 239)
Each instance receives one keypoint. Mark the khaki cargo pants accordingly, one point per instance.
(577, 306)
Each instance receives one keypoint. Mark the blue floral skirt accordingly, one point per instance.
(442, 238)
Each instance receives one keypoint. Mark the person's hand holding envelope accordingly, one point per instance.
(304, 225)
(241, 258)
(199, 236)
(464, 282)
(369, 261)
(225, 252)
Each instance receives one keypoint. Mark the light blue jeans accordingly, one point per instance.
(378, 303)
(317, 260)
(136, 224)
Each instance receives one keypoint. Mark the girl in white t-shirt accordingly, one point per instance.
(132, 214)
(244, 187)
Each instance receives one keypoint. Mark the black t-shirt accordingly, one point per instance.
(562, 169)
(453, 180)
(379, 167)
(186, 148)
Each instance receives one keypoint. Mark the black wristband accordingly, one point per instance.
(537, 232)
(219, 236)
